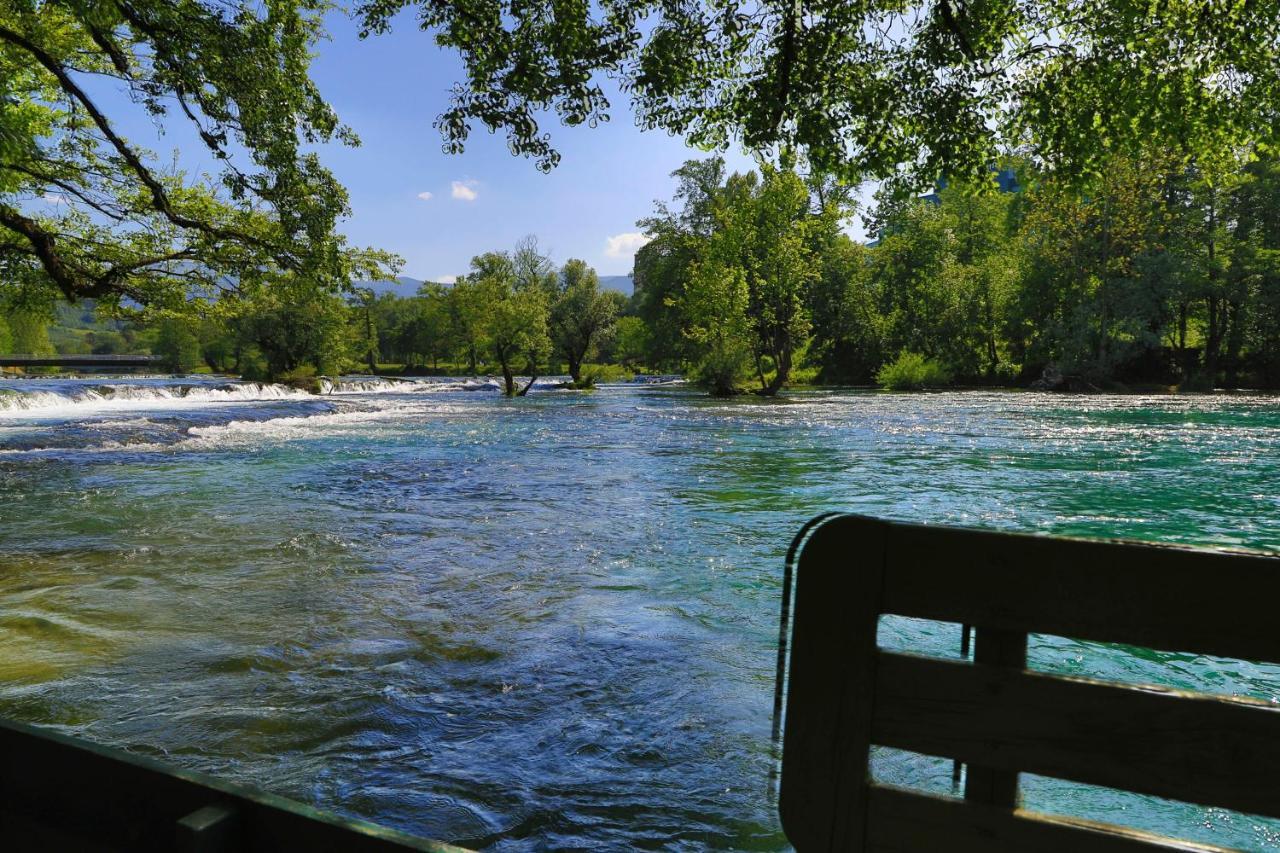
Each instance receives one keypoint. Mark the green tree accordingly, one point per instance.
(782, 264)
(1096, 296)
(883, 88)
(714, 306)
(1255, 266)
(178, 345)
(115, 224)
(29, 327)
(848, 328)
(466, 309)
(510, 316)
(662, 266)
(428, 330)
(296, 327)
(581, 315)
(761, 232)
(366, 341)
(630, 341)
(218, 345)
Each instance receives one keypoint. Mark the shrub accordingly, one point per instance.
(911, 371)
(606, 373)
(303, 377)
(807, 375)
(178, 345)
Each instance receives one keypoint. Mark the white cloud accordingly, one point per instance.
(425, 196)
(464, 190)
(625, 245)
(446, 279)
(56, 198)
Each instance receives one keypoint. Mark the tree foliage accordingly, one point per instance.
(732, 270)
(84, 212)
(880, 88)
(1164, 271)
(510, 310)
(582, 315)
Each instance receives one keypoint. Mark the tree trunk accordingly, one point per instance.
(1182, 338)
(781, 373)
(371, 341)
(1213, 342)
(1235, 341)
(508, 379)
(1213, 345)
(575, 366)
(525, 390)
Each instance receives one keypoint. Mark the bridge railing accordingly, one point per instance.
(28, 360)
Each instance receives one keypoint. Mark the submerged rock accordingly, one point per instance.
(1050, 380)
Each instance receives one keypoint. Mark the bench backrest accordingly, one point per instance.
(845, 694)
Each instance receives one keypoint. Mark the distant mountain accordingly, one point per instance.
(401, 286)
(620, 283)
(404, 286)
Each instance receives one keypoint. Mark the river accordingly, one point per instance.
(547, 622)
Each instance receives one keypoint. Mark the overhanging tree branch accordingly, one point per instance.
(159, 197)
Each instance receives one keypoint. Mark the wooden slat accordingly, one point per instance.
(1178, 599)
(828, 722)
(906, 822)
(989, 785)
(1203, 749)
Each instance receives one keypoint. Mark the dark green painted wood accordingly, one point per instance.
(845, 694)
(61, 793)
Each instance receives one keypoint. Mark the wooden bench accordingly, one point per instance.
(845, 694)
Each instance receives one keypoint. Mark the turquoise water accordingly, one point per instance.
(547, 622)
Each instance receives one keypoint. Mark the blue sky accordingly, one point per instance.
(390, 89)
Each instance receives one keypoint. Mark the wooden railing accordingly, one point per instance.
(845, 694)
(62, 794)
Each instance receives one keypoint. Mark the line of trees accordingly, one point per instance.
(86, 213)
(514, 312)
(1161, 271)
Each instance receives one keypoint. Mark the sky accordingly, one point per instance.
(438, 210)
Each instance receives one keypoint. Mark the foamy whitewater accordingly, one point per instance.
(97, 414)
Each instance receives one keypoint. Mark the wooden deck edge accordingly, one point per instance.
(53, 777)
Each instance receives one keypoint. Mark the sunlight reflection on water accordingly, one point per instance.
(546, 622)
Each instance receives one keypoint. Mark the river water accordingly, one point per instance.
(549, 622)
